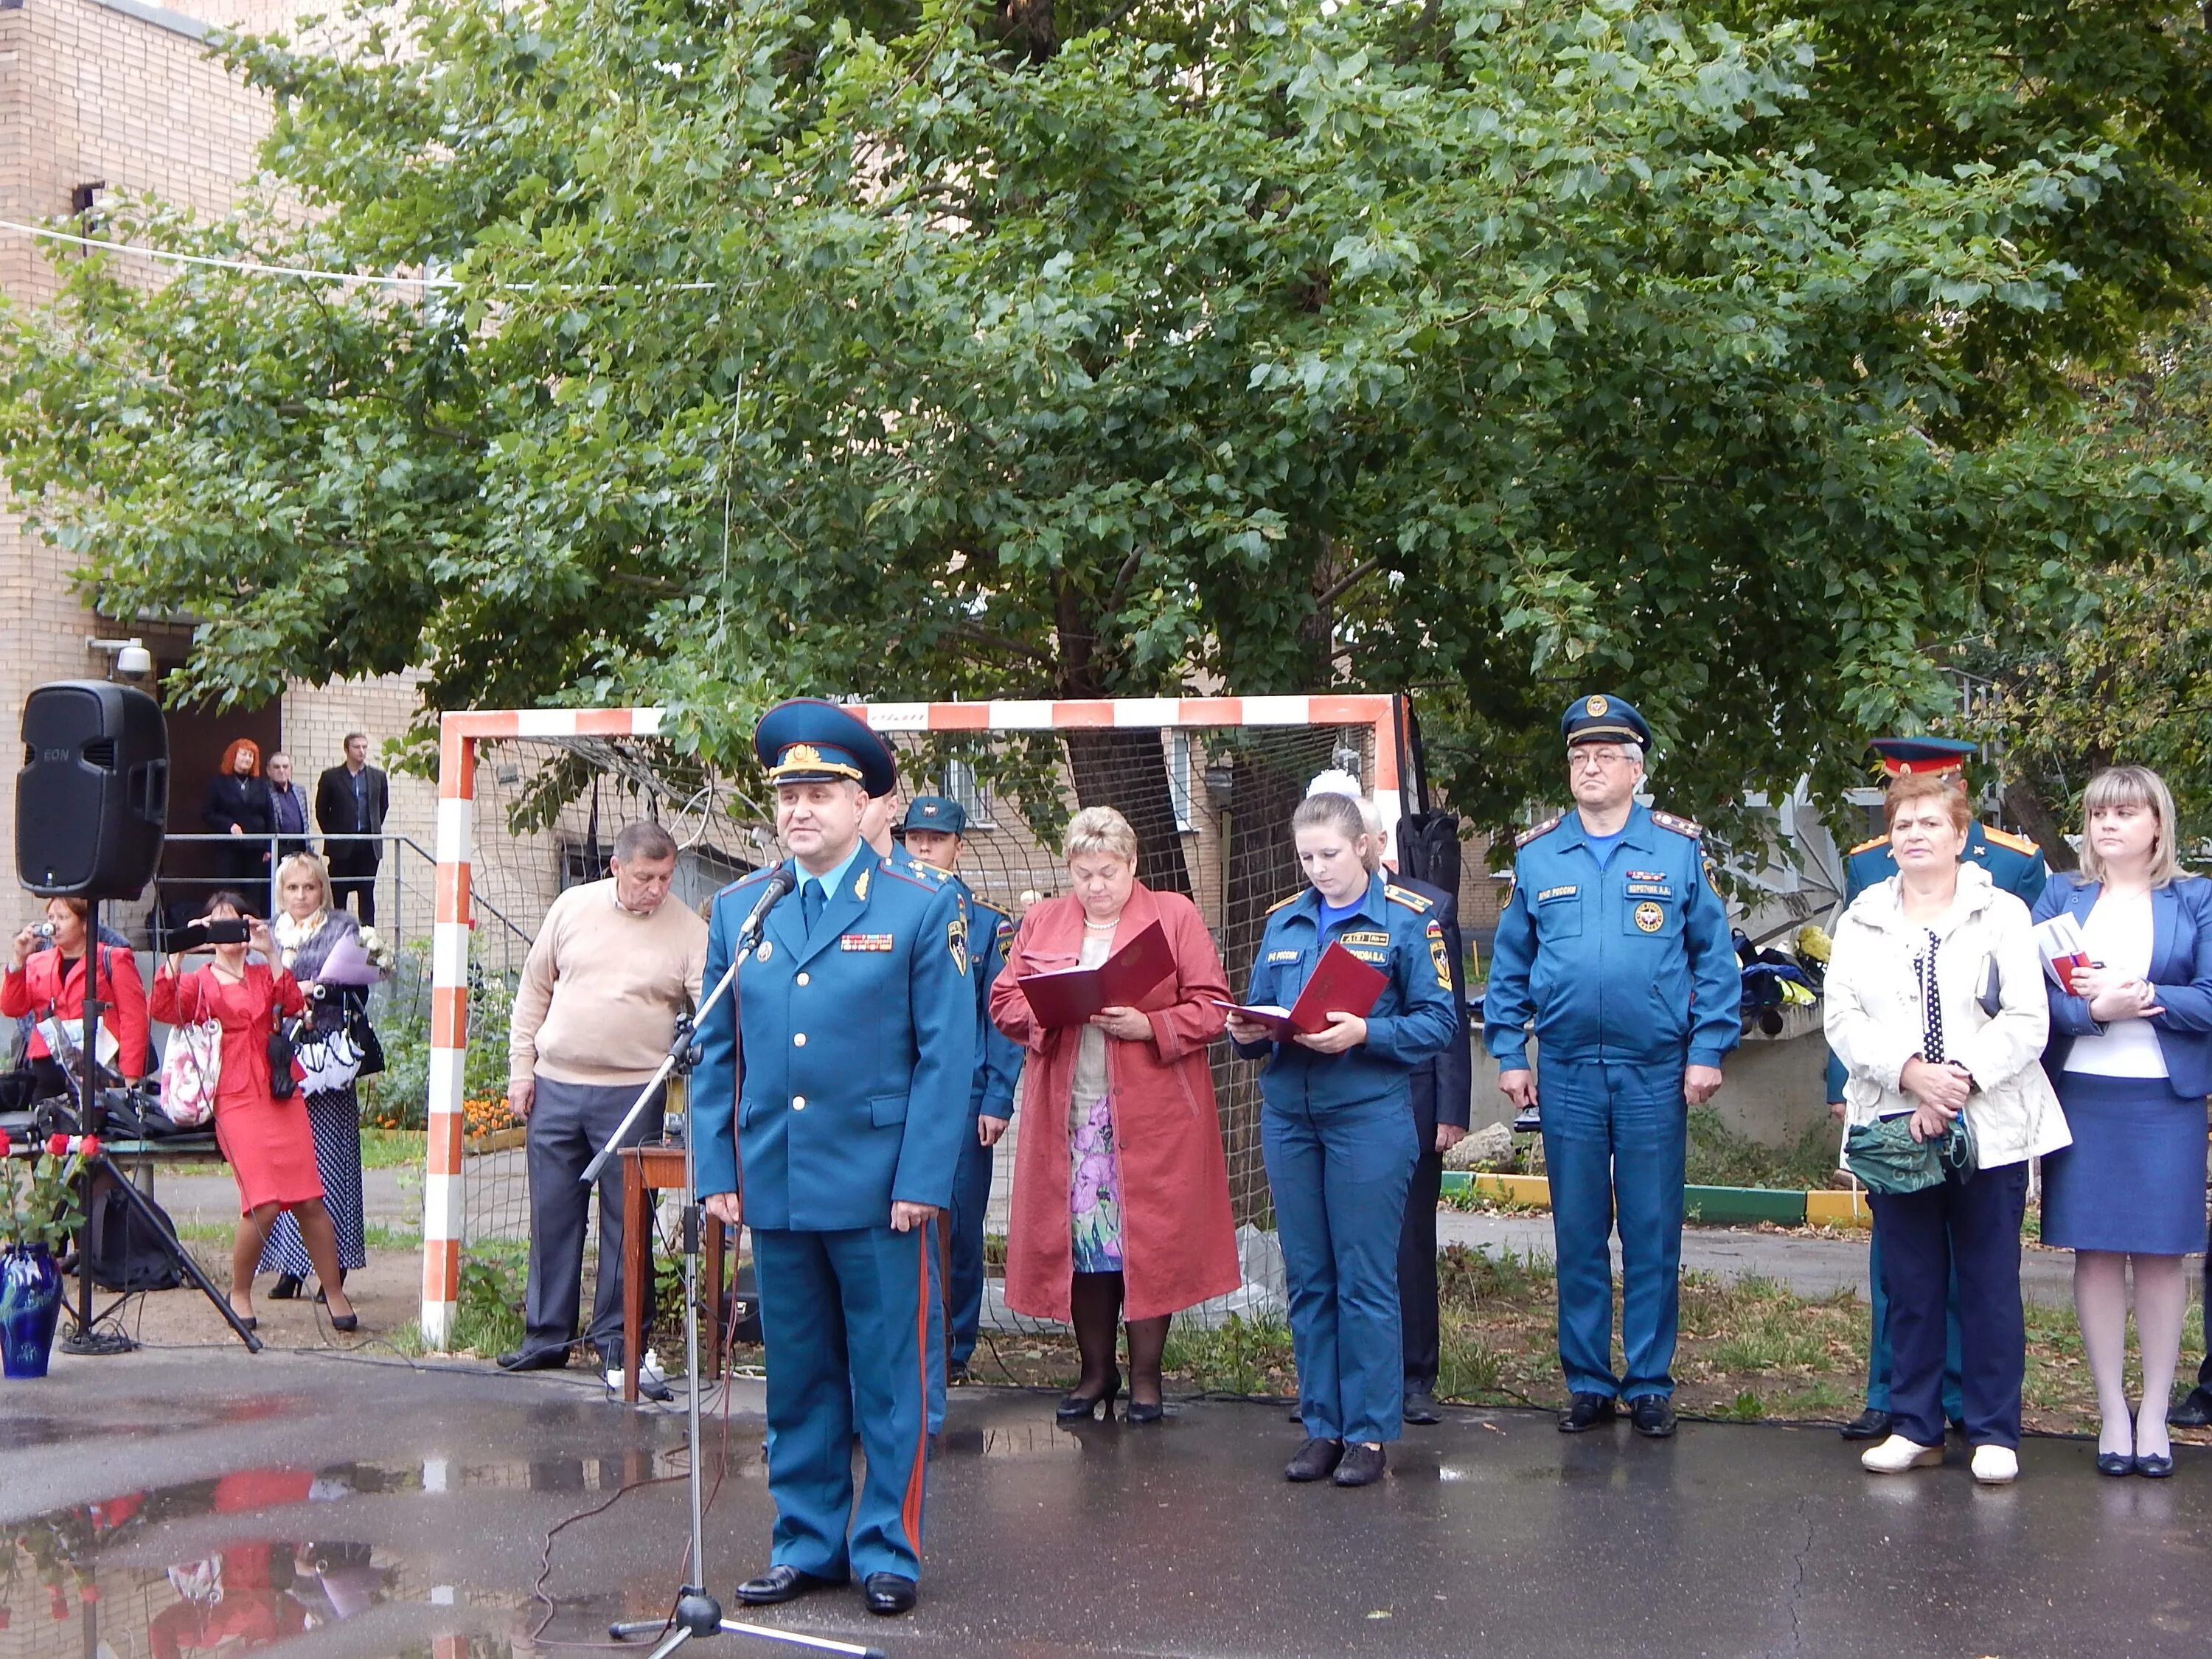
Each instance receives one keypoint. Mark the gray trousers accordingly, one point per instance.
(568, 1124)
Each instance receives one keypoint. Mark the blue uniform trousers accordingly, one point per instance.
(1881, 1365)
(1969, 1228)
(971, 1197)
(845, 1315)
(1338, 1176)
(1615, 1135)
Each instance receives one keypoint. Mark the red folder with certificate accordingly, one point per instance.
(1068, 996)
(1342, 984)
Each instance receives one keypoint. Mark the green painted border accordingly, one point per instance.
(1711, 1206)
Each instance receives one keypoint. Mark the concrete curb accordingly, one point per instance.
(1713, 1206)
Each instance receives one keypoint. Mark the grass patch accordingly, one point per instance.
(1722, 1156)
(391, 1149)
(1239, 1356)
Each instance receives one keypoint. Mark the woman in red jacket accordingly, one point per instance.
(1120, 1199)
(51, 985)
(268, 1142)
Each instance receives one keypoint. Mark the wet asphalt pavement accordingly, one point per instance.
(343, 1506)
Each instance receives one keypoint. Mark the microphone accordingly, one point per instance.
(778, 886)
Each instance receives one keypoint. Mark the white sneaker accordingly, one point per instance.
(1896, 1454)
(1996, 1466)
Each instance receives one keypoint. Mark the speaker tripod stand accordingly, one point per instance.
(696, 1613)
(85, 1336)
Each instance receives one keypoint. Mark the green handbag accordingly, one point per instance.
(1887, 1160)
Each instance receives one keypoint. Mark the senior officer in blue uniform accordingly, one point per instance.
(831, 1099)
(934, 833)
(2017, 865)
(1616, 945)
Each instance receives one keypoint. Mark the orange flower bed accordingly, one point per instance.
(483, 1116)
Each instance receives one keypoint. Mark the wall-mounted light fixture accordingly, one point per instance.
(131, 658)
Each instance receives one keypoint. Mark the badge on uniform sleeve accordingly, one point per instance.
(1436, 955)
(956, 941)
(1649, 917)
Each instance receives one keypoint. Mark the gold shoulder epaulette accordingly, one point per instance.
(2020, 844)
(1681, 826)
(1280, 903)
(1868, 846)
(1406, 897)
(1527, 835)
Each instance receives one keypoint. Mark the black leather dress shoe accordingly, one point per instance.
(1586, 1411)
(1868, 1424)
(889, 1595)
(781, 1583)
(2193, 1413)
(1651, 1416)
(1315, 1460)
(1363, 1466)
(534, 1359)
(1420, 1407)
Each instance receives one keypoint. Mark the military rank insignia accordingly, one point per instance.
(956, 941)
(1649, 917)
(1436, 933)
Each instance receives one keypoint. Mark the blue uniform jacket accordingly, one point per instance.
(998, 1060)
(2015, 863)
(858, 1047)
(2180, 966)
(1394, 929)
(1631, 964)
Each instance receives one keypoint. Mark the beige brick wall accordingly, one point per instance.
(126, 93)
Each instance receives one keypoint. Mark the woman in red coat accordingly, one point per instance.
(51, 985)
(1121, 1198)
(267, 1141)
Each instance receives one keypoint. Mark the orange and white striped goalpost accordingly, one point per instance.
(460, 733)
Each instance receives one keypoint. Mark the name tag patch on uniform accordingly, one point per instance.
(864, 941)
(1549, 895)
(1283, 956)
(1374, 956)
(1650, 889)
(1649, 917)
(1363, 937)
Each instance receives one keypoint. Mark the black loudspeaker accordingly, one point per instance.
(93, 798)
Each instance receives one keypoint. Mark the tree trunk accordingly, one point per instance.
(1127, 770)
(2026, 806)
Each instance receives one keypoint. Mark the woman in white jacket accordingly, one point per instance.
(1916, 958)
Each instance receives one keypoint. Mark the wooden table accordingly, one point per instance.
(659, 1168)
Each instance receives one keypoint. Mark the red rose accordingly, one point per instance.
(90, 1593)
(91, 1147)
(6, 1147)
(56, 1145)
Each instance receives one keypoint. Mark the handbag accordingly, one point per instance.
(283, 1085)
(191, 1070)
(366, 1040)
(1885, 1159)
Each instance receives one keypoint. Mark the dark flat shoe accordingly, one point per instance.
(1868, 1424)
(889, 1595)
(540, 1359)
(1362, 1466)
(1651, 1416)
(1420, 1407)
(2154, 1466)
(2194, 1412)
(1314, 1460)
(2115, 1463)
(286, 1289)
(781, 1583)
(1586, 1411)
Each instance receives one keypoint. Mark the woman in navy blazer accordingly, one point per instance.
(2130, 1052)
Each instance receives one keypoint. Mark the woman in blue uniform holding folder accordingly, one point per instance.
(1336, 1129)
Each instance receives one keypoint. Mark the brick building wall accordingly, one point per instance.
(124, 95)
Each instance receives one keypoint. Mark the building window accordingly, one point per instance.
(1179, 779)
(960, 785)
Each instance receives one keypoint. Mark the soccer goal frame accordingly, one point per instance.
(463, 732)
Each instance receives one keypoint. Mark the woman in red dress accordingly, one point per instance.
(267, 1141)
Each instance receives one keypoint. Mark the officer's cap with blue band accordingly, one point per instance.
(1906, 757)
(1602, 719)
(938, 812)
(806, 740)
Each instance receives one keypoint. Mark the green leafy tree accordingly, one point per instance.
(1496, 349)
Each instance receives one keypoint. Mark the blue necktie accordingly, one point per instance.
(811, 901)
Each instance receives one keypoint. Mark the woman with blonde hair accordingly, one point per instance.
(305, 932)
(2131, 1054)
(1121, 1200)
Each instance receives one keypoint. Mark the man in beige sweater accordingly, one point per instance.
(613, 965)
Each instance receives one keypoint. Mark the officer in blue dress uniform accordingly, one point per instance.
(934, 834)
(1615, 945)
(1336, 1129)
(2016, 865)
(832, 1096)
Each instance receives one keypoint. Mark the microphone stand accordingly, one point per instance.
(697, 1612)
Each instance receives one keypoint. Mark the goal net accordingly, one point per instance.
(530, 802)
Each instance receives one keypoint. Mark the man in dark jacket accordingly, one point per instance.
(351, 800)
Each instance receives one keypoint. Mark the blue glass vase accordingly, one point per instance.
(30, 1304)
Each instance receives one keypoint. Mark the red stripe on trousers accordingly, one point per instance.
(910, 1511)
